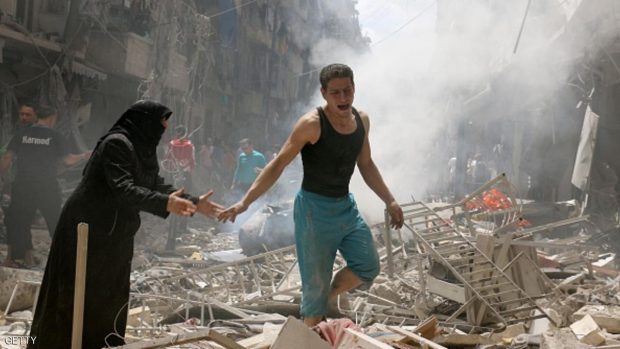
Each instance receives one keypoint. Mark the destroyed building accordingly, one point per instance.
(480, 271)
(220, 65)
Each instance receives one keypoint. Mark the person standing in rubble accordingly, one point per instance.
(26, 116)
(182, 151)
(480, 172)
(332, 139)
(182, 154)
(249, 164)
(120, 180)
(37, 150)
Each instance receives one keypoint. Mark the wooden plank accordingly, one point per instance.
(502, 260)
(428, 328)
(419, 339)
(80, 286)
(485, 244)
(445, 289)
(528, 277)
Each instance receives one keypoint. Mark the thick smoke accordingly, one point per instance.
(422, 78)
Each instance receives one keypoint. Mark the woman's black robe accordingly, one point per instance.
(116, 185)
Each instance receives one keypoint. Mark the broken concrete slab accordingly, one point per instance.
(506, 336)
(539, 326)
(461, 340)
(588, 331)
(606, 316)
(455, 292)
(295, 334)
(24, 297)
(561, 338)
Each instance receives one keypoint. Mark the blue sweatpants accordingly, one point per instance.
(323, 226)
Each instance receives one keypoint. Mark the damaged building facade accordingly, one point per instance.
(227, 69)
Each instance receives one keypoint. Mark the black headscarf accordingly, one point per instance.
(141, 124)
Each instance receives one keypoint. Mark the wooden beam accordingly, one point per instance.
(419, 339)
(455, 292)
(80, 285)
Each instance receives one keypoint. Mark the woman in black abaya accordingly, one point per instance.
(120, 180)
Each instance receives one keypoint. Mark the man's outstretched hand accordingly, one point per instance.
(396, 215)
(231, 213)
(208, 207)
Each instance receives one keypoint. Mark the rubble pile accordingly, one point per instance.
(466, 275)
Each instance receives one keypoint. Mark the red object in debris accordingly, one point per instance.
(491, 200)
(523, 223)
(333, 331)
(182, 151)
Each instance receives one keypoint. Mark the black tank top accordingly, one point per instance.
(329, 163)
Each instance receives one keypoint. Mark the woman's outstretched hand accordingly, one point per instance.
(180, 206)
(209, 208)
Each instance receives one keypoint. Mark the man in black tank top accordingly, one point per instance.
(331, 139)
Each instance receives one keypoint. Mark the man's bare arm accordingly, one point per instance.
(72, 159)
(371, 175)
(307, 130)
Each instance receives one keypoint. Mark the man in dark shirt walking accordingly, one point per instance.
(36, 150)
(332, 139)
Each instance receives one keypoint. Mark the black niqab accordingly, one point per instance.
(141, 124)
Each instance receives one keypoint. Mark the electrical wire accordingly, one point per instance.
(527, 10)
(115, 333)
(409, 21)
(231, 9)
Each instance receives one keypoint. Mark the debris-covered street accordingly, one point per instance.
(471, 274)
(194, 174)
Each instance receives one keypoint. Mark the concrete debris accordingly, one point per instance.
(469, 275)
(588, 331)
(295, 334)
(18, 286)
(561, 338)
(607, 317)
(386, 294)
